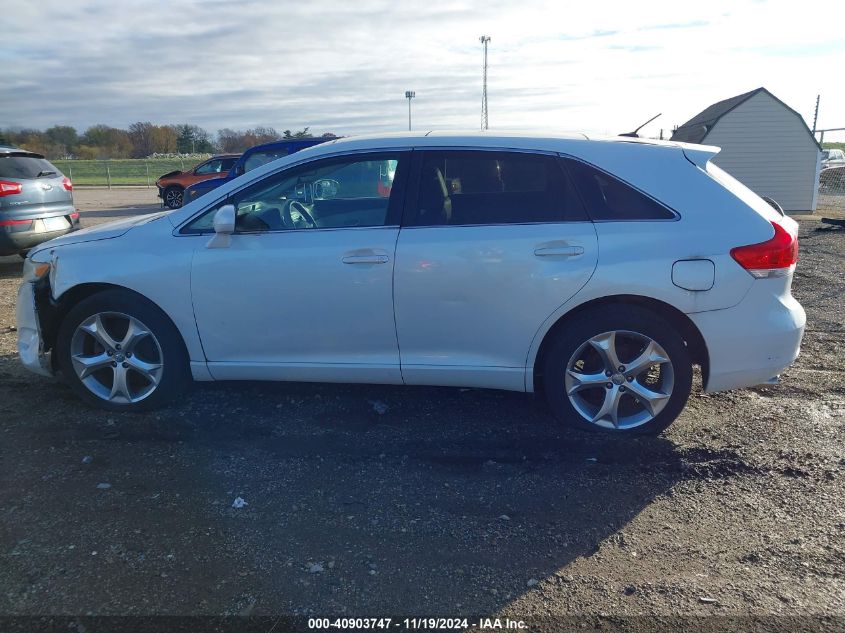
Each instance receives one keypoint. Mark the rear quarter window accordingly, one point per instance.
(25, 167)
(609, 199)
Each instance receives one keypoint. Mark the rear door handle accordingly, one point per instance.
(365, 259)
(559, 251)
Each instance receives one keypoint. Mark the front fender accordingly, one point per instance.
(148, 260)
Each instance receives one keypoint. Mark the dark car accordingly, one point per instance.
(172, 184)
(249, 160)
(36, 201)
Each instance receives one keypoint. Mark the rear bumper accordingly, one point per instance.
(30, 339)
(18, 238)
(755, 340)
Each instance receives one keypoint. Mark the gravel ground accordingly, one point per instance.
(368, 500)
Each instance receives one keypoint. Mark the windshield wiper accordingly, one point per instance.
(41, 174)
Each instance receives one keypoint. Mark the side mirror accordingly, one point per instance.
(224, 226)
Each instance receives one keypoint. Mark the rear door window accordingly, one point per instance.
(607, 198)
(25, 167)
(491, 187)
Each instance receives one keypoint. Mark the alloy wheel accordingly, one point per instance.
(619, 379)
(173, 198)
(116, 357)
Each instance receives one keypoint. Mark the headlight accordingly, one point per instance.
(33, 271)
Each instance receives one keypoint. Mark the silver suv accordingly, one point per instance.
(833, 158)
(36, 201)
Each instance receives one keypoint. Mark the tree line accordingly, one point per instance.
(140, 140)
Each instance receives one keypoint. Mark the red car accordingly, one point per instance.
(173, 184)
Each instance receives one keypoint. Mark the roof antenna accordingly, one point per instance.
(634, 133)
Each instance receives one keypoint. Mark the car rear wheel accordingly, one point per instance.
(620, 369)
(118, 351)
(173, 197)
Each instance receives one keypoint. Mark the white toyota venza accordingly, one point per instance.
(598, 271)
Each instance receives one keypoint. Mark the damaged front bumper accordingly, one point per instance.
(31, 345)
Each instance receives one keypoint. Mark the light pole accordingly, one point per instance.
(409, 94)
(484, 39)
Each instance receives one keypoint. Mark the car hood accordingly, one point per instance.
(105, 231)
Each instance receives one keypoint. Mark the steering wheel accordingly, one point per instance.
(302, 210)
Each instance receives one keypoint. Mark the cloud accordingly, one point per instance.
(344, 67)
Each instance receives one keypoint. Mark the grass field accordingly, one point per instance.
(128, 171)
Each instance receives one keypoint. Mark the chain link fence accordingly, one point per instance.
(831, 198)
(140, 172)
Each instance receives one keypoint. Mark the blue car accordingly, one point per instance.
(249, 160)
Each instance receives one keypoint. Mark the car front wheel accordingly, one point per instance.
(173, 197)
(118, 351)
(620, 369)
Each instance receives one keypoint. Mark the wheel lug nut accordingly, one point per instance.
(125, 365)
(114, 364)
(128, 354)
(609, 385)
(110, 353)
(630, 379)
(607, 373)
(621, 388)
(621, 367)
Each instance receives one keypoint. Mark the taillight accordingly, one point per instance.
(10, 188)
(772, 258)
(67, 184)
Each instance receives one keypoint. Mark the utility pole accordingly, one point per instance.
(816, 115)
(409, 94)
(484, 39)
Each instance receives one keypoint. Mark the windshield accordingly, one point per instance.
(262, 158)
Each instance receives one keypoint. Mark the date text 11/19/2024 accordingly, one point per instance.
(431, 624)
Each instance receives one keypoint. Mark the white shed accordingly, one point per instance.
(765, 144)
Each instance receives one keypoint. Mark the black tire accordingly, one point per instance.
(175, 377)
(570, 338)
(173, 197)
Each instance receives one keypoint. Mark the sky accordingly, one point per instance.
(344, 66)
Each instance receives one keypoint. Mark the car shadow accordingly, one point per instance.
(10, 267)
(360, 498)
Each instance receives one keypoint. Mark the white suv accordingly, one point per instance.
(598, 271)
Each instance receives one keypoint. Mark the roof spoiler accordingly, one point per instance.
(699, 155)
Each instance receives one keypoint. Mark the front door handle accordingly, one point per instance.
(365, 259)
(559, 251)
